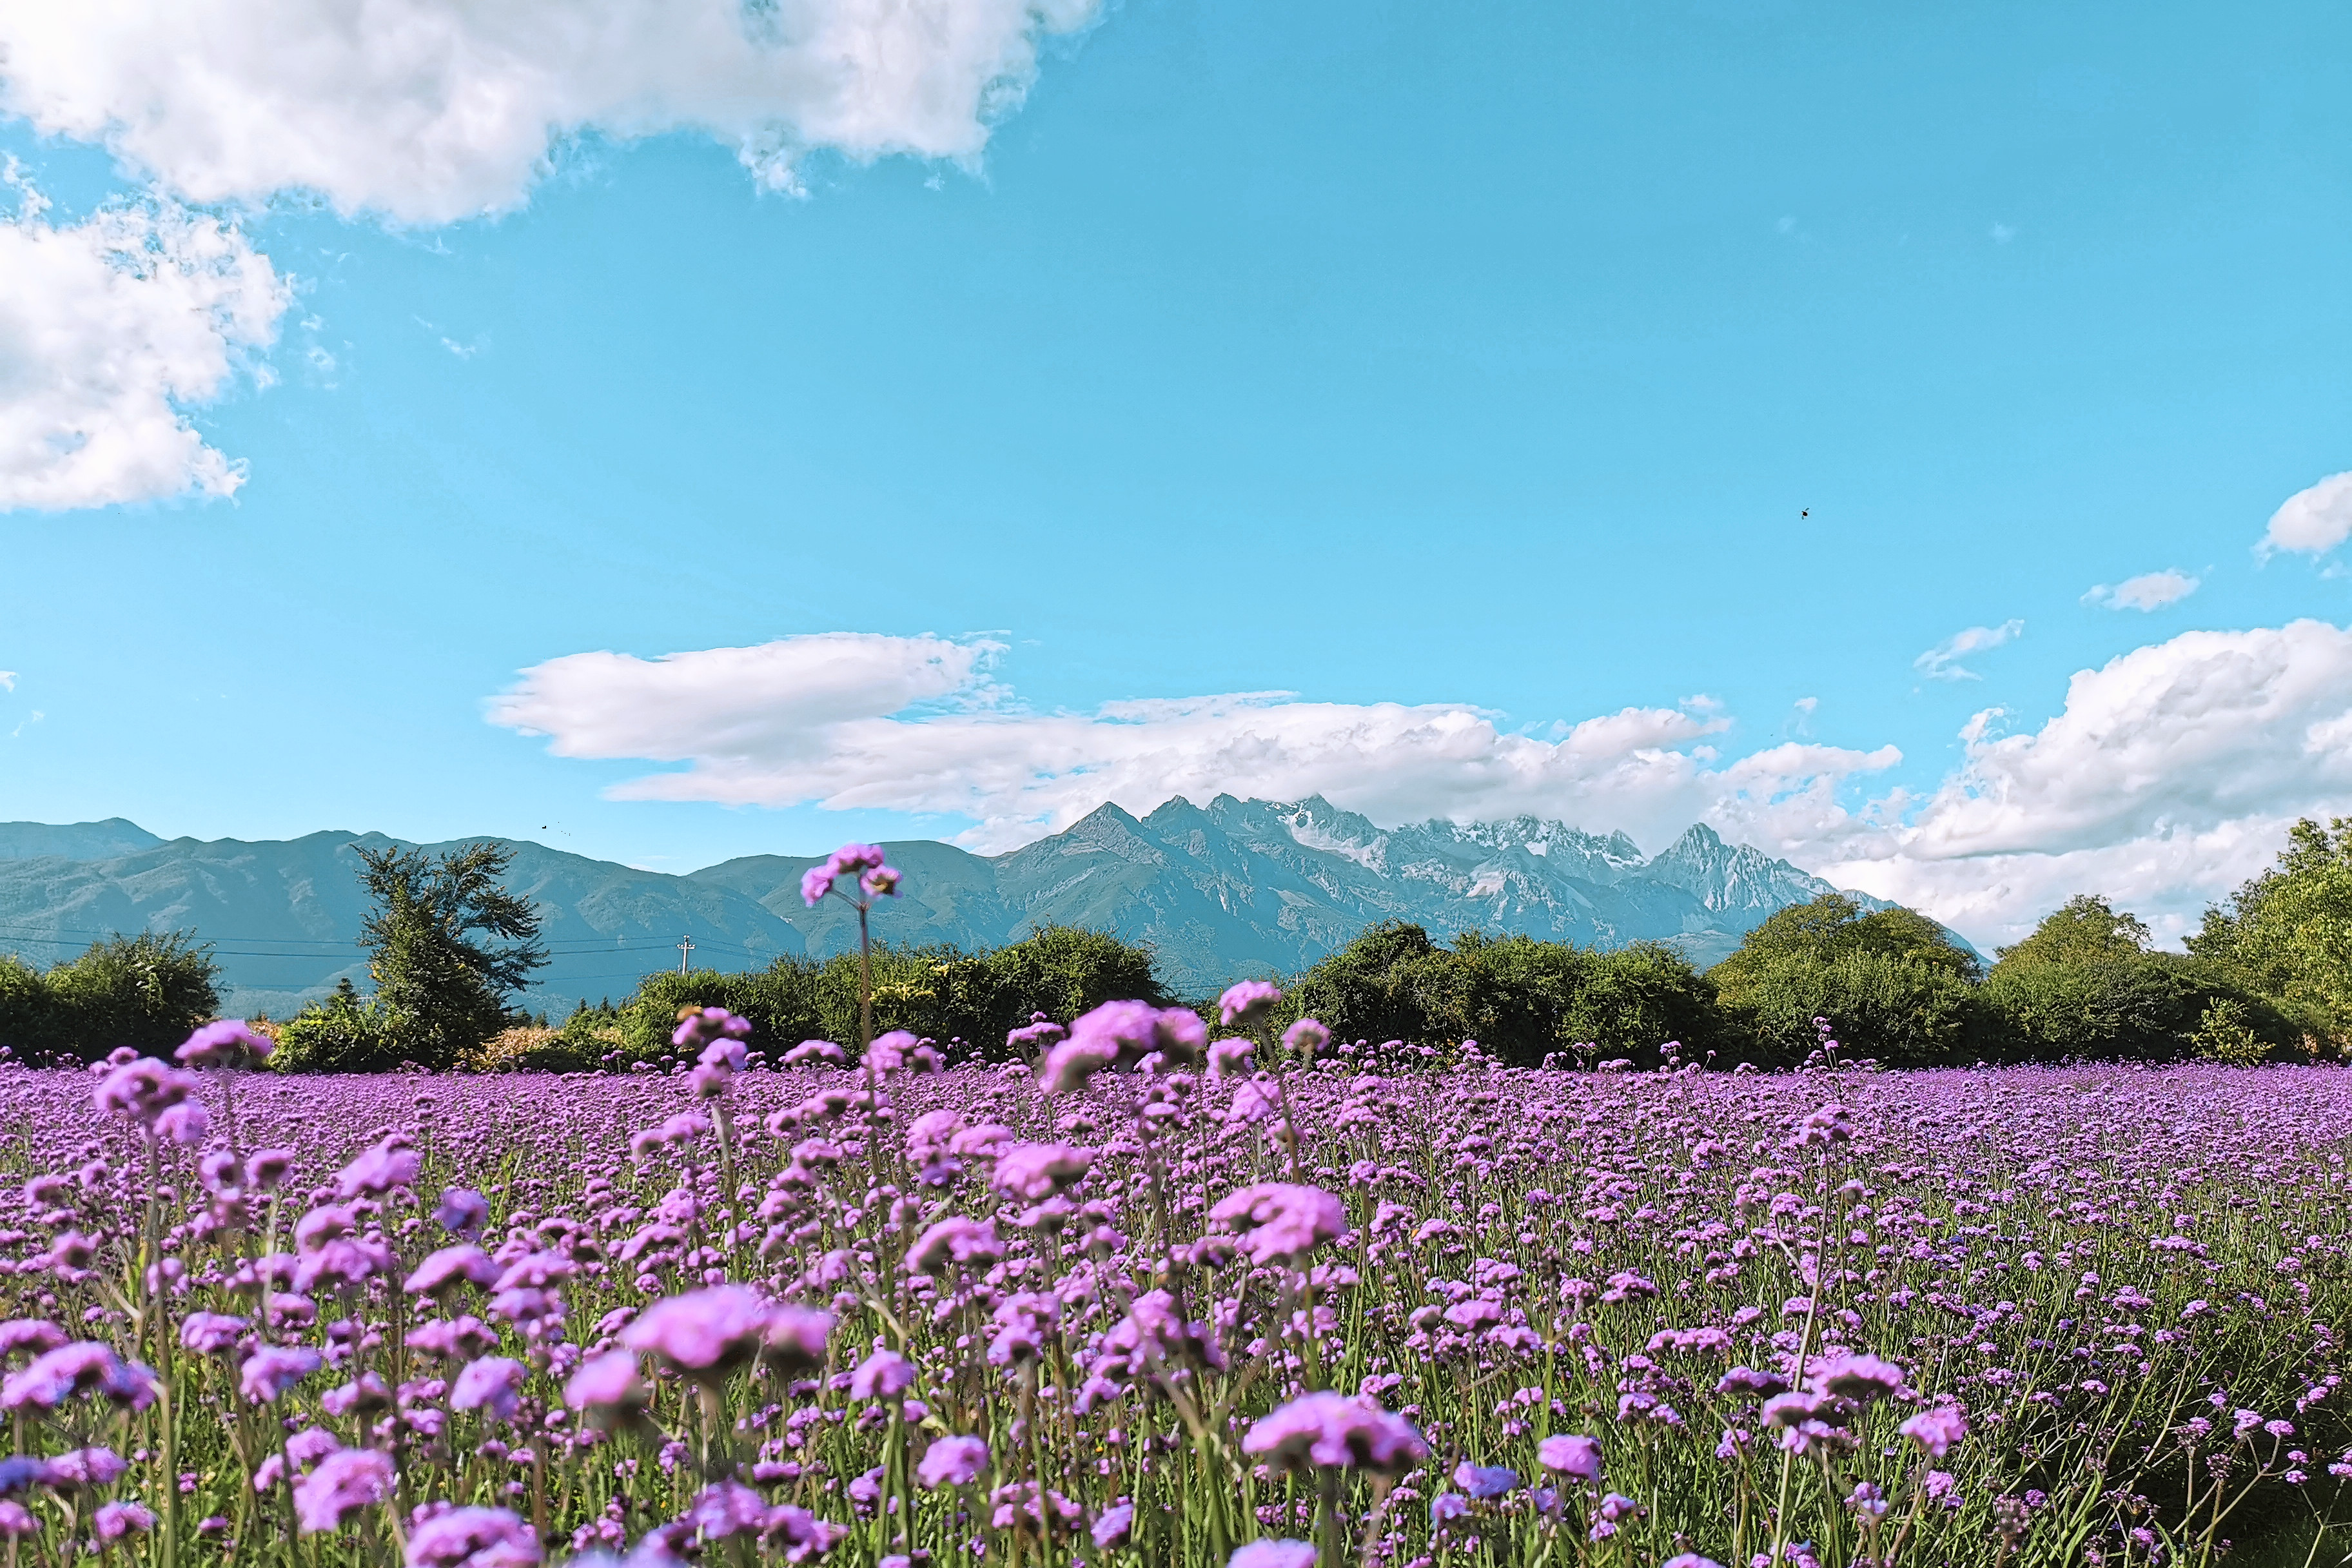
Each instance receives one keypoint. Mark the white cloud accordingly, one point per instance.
(1943, 662)
(2148, 591)
(432, 111)
(2167, 778)
(8, 680)
(842, 721)
(110, 330)
(2315, 521)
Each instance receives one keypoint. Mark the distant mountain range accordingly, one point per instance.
(1238, 887)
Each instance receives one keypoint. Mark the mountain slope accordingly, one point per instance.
(1233, 888)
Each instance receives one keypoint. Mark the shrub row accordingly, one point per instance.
(1893, 986)
(146, 992)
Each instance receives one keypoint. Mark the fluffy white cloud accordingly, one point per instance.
(2315, 521)
(2148, 591)
(111, 329)
(838, 720)
(430, 111)
(8, 680)
(2167, 778)
(1942, 662)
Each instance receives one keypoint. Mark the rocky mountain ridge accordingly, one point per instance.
(1231, 889)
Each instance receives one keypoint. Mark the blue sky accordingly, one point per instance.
(1518, 368)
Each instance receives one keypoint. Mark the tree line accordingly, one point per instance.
(2267, 976)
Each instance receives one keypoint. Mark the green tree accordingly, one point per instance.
(1893, 984)
(342, 1034)
(2287, 934)
(2085, 929)
(2086, 985)
(940, 992)
(147, 992)
(448, 947)
(1520, 998)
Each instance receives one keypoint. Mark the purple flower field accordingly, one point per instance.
(1112, 1310)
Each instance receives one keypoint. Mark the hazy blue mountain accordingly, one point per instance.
(73, 840)
(1233, 888)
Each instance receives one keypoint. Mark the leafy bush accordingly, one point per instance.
(1894, 985)
(342, 1034)
(146, 992)
(2087, 985)
(940, 992)
(1520, 998)
(2286, 936)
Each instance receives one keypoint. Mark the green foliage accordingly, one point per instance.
(342, 1034)
(1893, 984)
(940, 993)
(2085, 984)
(443, 989)
(147, 992)
(2225, 1034)
(2287, 934)
(2085, 929)
(1522, 999)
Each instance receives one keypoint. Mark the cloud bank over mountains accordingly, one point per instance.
(2166, 777)
(413, 112)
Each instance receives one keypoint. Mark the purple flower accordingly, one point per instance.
(114, 1520)
(885, 1375)
(16, 1520)
(84, 1367)
(952, 1243)
(391, 1164)
(606, 1388)
(209, 1334)
(1278, 1221)
(888, 1052)
(706, 1333)
(952, 1462)
(1571, 1454)
(343, 1483)
(1447, 1507)
(493, 1384)
(462, 1211)
(847, 861)
(464, 1264)
(1937, 1428)
(1860, 1378)
(1332, 1430)
(1740, 1380)
(1307, 1036)
(186, 1123)
(473, 1538)
(224, 1042)
(78, 1469)
(144, 1087)
(1690, 1559)
(812, 1050)
(1111, 1530)
(33, 1334)
(273, 1369)
(1273, 1555)
(1068, 1066)
(1121, 1034)
(1246, 1003)
(1034, 1171)
(1486, 1482)
(703, 1331)
(1230, 1055)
